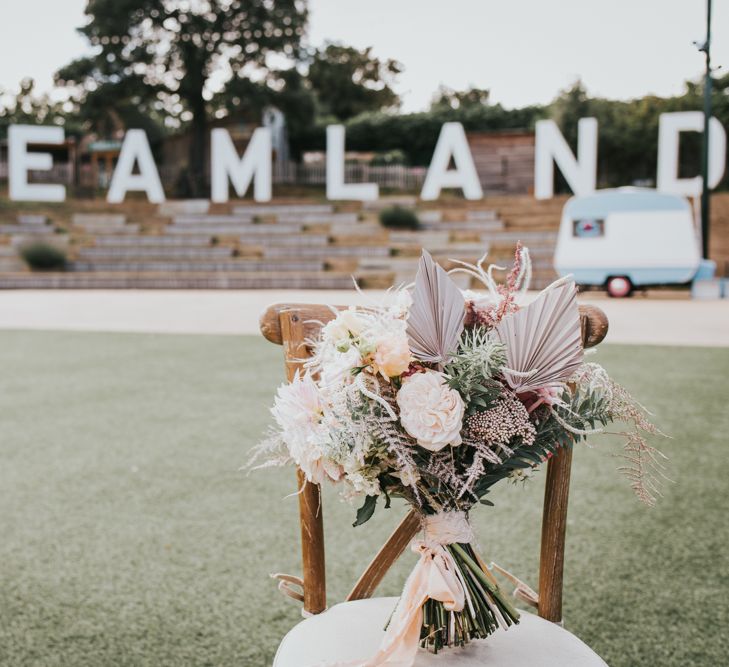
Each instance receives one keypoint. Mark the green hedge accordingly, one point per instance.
(42, 256)
(397, 217)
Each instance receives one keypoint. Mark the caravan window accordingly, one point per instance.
(588, 228)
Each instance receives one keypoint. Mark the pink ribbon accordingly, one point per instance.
(435, 576)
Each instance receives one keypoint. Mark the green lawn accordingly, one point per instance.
(128, 535)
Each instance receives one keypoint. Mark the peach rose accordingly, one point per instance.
(430, 411)
(392, 355)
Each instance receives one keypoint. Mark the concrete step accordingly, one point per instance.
(60, 241)
(183, 207)
(94, 220)
(112, 230)
(429, 216)
(32, 219)
(233, 266)
(263, 209)
(402, 268)
(320, 218)
(240, 219)
(419, 238)
(396, 264)
(289, 241)
(404, 201)
(235, 229)
(256, 280)
(482, 214)
(356, 229)
(328, 251)
(213, 219)
(499, 254)
(152, 252)
(34, 230)
(465, 226)
(528, 238)
(10, 264)
(189, 241)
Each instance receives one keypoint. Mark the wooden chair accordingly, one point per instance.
(533, 642)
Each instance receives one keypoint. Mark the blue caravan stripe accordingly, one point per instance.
(652, 276)
(601, 204)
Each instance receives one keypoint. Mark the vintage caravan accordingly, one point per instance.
(627, 238)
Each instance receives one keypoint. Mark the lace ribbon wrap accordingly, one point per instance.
(435, 577)
(447, 528)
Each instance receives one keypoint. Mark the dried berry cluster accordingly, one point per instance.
(499, 425)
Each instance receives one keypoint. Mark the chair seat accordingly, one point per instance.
(353, 630)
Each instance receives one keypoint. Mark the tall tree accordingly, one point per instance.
(27, 107)
(448, 98)
(174, 47)
(349, 81)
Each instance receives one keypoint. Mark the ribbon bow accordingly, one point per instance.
(435, 577)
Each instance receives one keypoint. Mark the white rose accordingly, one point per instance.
(345, 323)
(337, 370)
(430, 411)
(401, 304)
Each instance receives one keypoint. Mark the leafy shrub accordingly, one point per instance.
(42, 256)
(397, 217)
(396, 156)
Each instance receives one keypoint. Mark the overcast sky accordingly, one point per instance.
(524, 51)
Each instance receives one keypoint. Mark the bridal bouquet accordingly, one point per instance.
(434, 396)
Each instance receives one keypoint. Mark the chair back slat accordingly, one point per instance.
(311, 517)
(386, 556)
(291, 325)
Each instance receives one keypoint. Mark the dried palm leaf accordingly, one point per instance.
(543, 340)
(436, 317)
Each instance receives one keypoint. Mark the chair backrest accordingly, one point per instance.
(291, 325)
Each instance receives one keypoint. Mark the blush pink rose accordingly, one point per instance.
(430, 411)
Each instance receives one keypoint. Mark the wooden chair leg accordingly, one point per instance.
(554, 527)
(312, 546)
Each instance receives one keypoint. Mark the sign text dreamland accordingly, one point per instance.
(254, 166)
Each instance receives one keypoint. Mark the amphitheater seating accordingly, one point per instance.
(283, 245)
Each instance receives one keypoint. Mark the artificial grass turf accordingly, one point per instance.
(128, 536)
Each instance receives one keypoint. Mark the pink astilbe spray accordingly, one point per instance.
(512, 287)
(504, 296)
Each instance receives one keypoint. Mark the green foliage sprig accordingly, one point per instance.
(472, 370)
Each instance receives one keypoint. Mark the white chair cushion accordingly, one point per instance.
(353, 630)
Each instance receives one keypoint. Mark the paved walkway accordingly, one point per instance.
(638, 320)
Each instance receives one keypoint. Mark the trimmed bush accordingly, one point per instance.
(397, 217)
(41, 256)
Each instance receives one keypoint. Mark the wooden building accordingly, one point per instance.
(504, 160)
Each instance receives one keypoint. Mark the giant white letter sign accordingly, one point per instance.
(670, 125)
(580, 173)
(20, 161)
(452, 143)
(255, 165)
(336, 187)
(135, 148)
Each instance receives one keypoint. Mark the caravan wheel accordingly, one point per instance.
(619, 287)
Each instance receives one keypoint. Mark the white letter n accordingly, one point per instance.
(580, 173)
